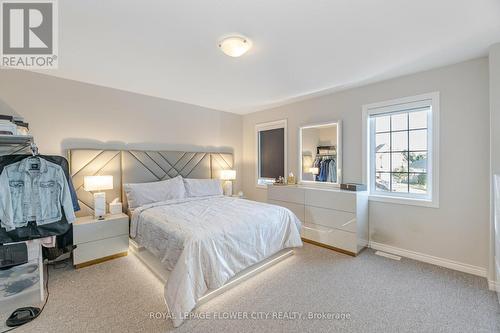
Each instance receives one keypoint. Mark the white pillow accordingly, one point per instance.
(145, 193)
(202, 187)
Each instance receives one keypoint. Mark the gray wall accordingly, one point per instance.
(68, 114)
(495, 157)
(459, 229)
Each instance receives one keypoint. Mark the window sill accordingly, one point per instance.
(404, 201)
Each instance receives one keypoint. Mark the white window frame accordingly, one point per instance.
(425, 100)
(263, 182)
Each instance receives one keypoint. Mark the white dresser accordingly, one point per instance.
(331, 218)
(99, 240)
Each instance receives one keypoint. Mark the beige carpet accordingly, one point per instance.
(378, 295)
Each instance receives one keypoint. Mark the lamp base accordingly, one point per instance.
(228, 188)
(99, 205)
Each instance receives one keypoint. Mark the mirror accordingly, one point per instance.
(321, 153)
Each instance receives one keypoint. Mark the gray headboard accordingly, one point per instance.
(134, 166)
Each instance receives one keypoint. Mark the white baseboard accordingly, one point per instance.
(451, 264)
(493, 285)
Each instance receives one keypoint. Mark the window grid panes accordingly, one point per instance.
(401, 152)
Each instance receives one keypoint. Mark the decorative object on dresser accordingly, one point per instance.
(280, 181)
(331, 218)
(100, 240)
(97, 184)
(228, 176)
(353, 187)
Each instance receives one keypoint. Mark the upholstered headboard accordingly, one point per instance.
(134, 166)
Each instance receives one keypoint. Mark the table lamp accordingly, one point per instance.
(228, 176)
(97, 184)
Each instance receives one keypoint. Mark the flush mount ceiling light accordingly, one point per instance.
(235, 46)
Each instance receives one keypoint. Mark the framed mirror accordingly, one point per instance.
(320, 151)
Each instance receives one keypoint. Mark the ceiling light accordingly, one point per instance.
(235, 46)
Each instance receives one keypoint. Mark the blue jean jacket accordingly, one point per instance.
(34, 190)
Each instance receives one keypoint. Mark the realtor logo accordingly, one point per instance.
(29, 34)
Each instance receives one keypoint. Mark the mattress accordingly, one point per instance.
(206, 241)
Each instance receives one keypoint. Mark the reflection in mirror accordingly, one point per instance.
(320, 153)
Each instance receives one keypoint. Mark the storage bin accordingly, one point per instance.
(23, 285)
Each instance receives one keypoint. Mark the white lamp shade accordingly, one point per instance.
(235, 46)
(97, 183)
(228, 174)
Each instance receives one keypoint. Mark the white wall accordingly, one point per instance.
(494, 66)
(459, 229)
(68, 114)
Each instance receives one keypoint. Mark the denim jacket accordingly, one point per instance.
(34, 195)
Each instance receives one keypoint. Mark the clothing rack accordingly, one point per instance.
(327, 155)
(14, 149)
(21, 145)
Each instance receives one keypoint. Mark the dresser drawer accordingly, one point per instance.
(297, 209)
(338, 200)
(100, 249)
(286, 193)
(331, 218)
(84, 232)
(339, 239)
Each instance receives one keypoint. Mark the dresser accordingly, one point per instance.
(331, 218)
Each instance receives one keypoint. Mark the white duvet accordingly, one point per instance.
(206, 241)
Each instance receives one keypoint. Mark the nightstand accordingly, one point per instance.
(99, 240)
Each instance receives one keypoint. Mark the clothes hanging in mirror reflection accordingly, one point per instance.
(327, 165)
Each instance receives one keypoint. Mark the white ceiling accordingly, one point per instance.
(300, 48)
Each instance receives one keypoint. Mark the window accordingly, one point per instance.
(271, 151)
(401, 159)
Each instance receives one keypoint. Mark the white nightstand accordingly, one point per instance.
(99, 240)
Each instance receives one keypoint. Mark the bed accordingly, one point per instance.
(206, 241)
(199, 245)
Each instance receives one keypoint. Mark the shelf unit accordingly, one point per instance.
(35, 293)
(15, 144)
